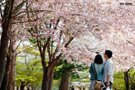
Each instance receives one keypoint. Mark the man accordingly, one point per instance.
(108, 64)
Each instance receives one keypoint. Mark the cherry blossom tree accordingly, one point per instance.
(54, 24)
(55, 30)
(119, 38)
(6, 24)
(11, 12)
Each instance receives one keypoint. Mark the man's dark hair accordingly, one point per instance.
(108, 53)
(98, 59)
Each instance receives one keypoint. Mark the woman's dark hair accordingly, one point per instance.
(108, 53)
(98, 59)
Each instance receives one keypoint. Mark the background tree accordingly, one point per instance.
(11, 13)
(132, 78)
(66, 72)
(119, 81)
(58, 29)
(55, 24)
(6, 19)
(29, 70)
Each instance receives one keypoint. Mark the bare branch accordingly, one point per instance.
(57, 23)
(46, 44)
(27, 10)
(27, 21)
(17, 9)
(46, 11)
(56, 60)
(39, 44)
(57, 48)
(130, 42)
(18, 45)
(25, 48)
(75, 14)
(71, 38)
(1, 12)
(52, 49)
(49, 53)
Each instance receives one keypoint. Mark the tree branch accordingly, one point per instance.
(18, 45)
(27, 10)
(71, 38)
(49, 53)
(27, 21)
(46, 11)
(46, 44)
(52, 49)
(39, 44)
(24, 49)
(57, 48)
(57, 59)
(1, 12)
(17, 8)
(130, 42)
(57, 23)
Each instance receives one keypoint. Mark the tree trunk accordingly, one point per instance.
(3, 54)
(48, 78)
(32, 87)
(11, 83)
(6, 75)
(126, 80)
(9, 77)
(22, 86)
(65, 82)
(6, 27)
(17, 88)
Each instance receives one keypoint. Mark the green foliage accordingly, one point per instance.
(32, 40)
(29, 68)
(74, 69)
(119, 81)
(132, 78)
(64, 67)
(56, 85)
(32, 51)
(31, 73)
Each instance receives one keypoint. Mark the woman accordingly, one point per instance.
(96, 68)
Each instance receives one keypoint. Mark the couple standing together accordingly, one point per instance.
(102, 71)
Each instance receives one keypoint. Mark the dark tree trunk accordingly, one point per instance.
(126, 80)
(8, 82)
(32, 87)
(11, 83)
(6, 75)
(65, 82)
(48, 78)
(6, 27)
(3, 55)
(22, 86)
(17, 88)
